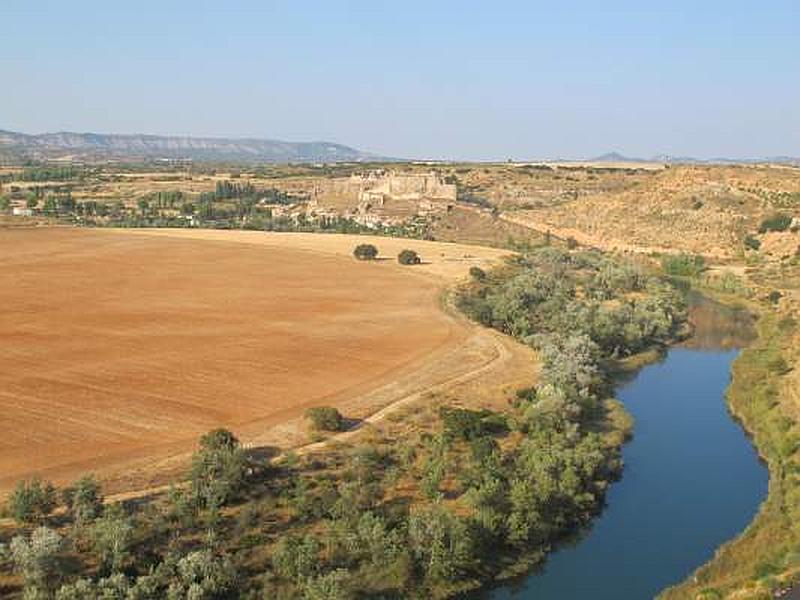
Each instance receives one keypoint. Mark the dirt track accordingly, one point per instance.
(120, 348)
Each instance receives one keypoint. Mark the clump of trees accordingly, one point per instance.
(98, 550)
(31, 501)
(408, 257)
(325, 418)
(552, 291)
(365, 252)
(776, 222)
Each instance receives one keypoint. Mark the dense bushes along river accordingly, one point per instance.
(439, 506)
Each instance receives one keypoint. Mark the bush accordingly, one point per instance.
(31, 502)
(776, 222)
(408, 257)
(35, 558)
(325, 418)
(84, 500)
(477, 274)
(752, 242)
(461, 423)
(686, 265)
(365, 252)
(218, 469)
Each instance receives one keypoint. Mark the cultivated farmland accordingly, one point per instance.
(121, 348)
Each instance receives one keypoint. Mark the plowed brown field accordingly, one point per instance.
(117, 347)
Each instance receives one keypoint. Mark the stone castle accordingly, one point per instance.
(376, 188)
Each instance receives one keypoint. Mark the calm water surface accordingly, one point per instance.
(692, 479)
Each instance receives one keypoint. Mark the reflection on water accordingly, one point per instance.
(717, 326)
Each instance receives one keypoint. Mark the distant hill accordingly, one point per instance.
(616, 157)
(101, 146)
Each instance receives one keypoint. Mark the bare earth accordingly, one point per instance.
(119, 348)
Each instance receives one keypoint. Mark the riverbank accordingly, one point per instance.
(691, 478)
(765, 557)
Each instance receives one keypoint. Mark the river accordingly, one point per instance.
(692, 479)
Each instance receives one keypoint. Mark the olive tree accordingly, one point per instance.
(408, 257)
(35, 558)
(325, 418)
(218, 469)
(365, 252)
(112, 535)
(84, 500)
(31, 501)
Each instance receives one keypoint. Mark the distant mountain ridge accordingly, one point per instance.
(102, 146)
(666, 158)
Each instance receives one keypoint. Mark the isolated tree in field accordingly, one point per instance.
(325, 418)
(35, 558)
(84, 500)
(31, 501)
(408, 257)
(218, 469)
(365, 252)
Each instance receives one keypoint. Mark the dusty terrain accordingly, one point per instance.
(121, 347)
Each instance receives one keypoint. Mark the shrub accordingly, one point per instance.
(365, 252)
(35, 558)
(477, 273)
(774, 296)
(32, 501)
(218, 468)
(778, 365)
(686, 265)
(112, 535)
(752, 242)
(465, 424)
(84, 500)
(408, 257)
(776, 222)
(325, 418)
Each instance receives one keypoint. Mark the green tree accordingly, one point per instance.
(440, 543)
(84, 500)
(201, 574)
(776, 222)
(477, 274)
(325, 418)
(35, 558)
(296, 558)
(365, 252)
(112, 535)
(218, 469)
(31, 501)
(330, 586)
(408, 257)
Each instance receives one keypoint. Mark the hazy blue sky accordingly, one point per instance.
(473, 80)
